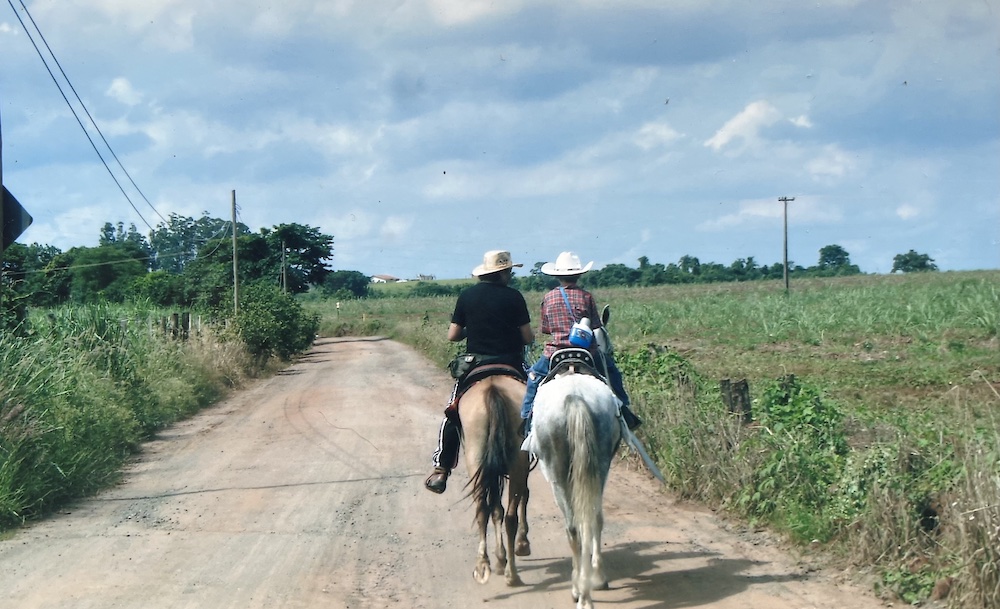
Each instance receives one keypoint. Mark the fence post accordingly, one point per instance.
(736, 395)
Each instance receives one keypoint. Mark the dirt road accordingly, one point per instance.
(306, 491)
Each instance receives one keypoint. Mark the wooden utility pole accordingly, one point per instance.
(785, 200)
(236, 274)
(284, 272)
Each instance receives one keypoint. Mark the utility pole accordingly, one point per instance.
(284, 271)
(785, 200)
(236, 275)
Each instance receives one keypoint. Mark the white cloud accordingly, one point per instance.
(803, 210)
(121, 90)
(457, 12)
(351, 225)
(832, 163)
(907, 212)
(652, 135)
(394, 228)
(801, 121)
(746, 125)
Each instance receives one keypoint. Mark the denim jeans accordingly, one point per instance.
(541, 368)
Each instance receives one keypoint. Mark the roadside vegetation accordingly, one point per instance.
(83, 385)
(873, 439)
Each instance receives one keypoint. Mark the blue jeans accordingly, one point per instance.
(541, 368)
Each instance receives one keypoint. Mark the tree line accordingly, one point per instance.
(184, 262)
(834, 261)
(188, 262)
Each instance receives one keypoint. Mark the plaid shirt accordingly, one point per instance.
(557, 319)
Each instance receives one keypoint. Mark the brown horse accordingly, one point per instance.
(490, 415)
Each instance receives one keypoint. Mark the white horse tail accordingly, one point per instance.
(586, 483)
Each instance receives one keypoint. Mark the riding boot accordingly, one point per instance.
(631, 419)
(446, 456)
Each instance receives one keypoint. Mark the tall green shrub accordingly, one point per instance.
(271, 323)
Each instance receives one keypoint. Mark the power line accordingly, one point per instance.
(77, 116)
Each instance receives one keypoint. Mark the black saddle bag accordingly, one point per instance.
(464, 363)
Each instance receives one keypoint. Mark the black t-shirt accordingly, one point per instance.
(492, 315)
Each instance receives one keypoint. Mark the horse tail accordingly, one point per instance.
(586, 482)
(488, 480)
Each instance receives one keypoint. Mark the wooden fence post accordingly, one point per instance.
(736, 395)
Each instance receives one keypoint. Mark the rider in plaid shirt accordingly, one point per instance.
(557, 320)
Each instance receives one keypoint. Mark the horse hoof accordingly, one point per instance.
(514, 582)
(523, 549)
(482, 573)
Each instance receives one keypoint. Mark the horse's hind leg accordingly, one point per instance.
(501, 549)
(522, 547)
(482, 572)
(598, 579)
(517, 505)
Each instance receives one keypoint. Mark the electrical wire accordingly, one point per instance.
(77, 116)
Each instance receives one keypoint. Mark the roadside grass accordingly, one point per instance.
(874, 432)
(83, 387)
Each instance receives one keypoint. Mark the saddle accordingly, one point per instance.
(476, 374)
(572, 360)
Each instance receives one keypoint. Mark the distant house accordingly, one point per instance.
(384, 279)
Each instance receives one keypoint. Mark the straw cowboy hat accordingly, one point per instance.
(568, 263)
(493, 261)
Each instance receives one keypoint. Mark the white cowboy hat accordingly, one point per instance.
(493, 261)
(568, 263)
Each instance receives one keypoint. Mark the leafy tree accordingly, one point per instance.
(130, 241)
(612, 275)
(690, 265)
(178, 241)
(832, 256)
(305, 250)
(912, 262)
(834, 261)
(535, 281)
(160, 288)
(346, 284)
(651, 274)
(29, 272)
(744, 269)
(105, 272)
(208, 279)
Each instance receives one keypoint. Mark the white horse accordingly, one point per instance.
(575, 433)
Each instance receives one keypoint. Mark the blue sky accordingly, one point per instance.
(421, 133)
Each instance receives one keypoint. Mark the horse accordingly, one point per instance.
(576, 432)
(490, 414)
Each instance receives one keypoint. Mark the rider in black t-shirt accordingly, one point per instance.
(494, 318)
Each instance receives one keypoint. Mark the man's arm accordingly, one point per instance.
(456, 332)
(527, 334)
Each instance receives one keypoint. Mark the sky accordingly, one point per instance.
(421, 133)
